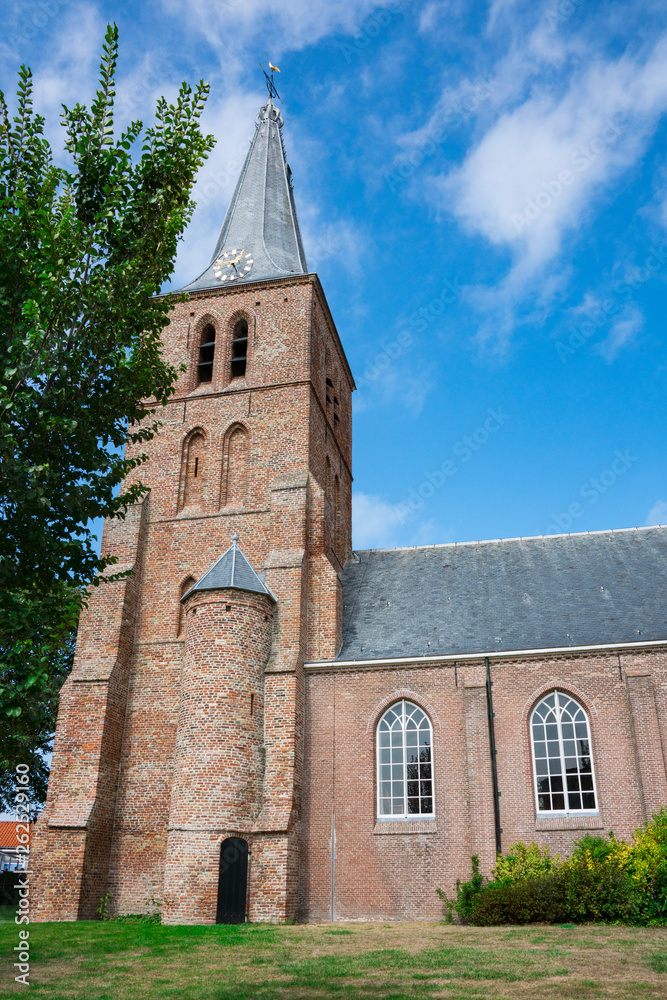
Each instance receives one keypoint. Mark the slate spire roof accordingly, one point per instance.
(261, 221)
(231, 570)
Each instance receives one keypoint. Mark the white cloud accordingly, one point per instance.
(657, 513)
(623, 331)
(326, 239)
(428, 16)
(232, 26)
(498, 10)
(379, 524)
(536, 169)
(393, 382)
(544, 161)
(68, 74)
(375, 522)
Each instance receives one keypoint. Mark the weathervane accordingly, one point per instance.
(270, 85)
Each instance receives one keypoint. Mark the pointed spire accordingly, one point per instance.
(260, 237)
(231, 570)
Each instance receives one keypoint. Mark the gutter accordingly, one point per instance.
(494, 753)
(498, 654)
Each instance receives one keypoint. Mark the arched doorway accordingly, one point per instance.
(232, 881)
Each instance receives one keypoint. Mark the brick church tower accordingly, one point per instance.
(178, 754)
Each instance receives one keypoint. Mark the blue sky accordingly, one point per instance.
(482, 189)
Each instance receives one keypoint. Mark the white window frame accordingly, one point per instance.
(595, 811)
(405, 815)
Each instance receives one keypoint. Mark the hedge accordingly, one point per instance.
(605, 880)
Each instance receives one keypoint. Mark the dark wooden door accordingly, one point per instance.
(233, 881)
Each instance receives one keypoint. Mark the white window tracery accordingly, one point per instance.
(562, 759)
(404, 762)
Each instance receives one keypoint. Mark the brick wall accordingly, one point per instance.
(390, 870)
(245, 455)
(219, 753)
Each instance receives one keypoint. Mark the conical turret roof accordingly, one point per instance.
(260, 237)
(231, 570)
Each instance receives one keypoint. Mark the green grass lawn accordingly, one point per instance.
(133, 961)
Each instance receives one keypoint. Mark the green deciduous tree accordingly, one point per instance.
(84, 248)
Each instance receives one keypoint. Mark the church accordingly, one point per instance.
(262, 724)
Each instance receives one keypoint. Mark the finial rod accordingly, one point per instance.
(235, 538)
(270, 85)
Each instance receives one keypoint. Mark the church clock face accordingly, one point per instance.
(233, 264)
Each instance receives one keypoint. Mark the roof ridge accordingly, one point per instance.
(515, 538)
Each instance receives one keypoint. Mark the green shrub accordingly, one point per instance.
(465, 894)
(600, 891)
(523, 902)
(605, 880)
(598, 847)
(523, 862)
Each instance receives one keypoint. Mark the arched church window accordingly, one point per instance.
(193, 478)
(239, 348)
(235, 466)
(404, 762)
(563, 764)
(206, 353)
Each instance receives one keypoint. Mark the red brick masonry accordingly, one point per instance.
(390, 870)
(182, 726)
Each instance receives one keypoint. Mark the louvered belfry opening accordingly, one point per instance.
(206, 352)
(239, 348)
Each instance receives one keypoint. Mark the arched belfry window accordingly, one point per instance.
(235, 466)
(562, 759)
(239, 348)
(404, 762)
(206, 353)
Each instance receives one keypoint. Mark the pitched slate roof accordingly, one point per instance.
(520, 593)
(231, 570)
(261, 219)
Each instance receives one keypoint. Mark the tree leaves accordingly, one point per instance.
(84, 253)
